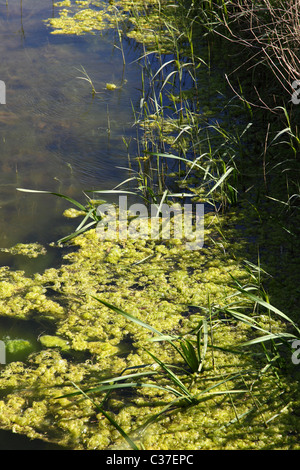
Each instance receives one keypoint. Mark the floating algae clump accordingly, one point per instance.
(167, 287)
(49, 341)
(82, 17)
(72, 213)
(111, 86)
(22, 297)
(18, 349)
(31, 250)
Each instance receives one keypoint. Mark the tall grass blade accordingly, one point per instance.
(269, 337)
(268, 306)
(110, 419)
(175, 379)
(76, 233)
(189, 355)
(202, 354)
(110, 191)
(220, 181)
(76, 203)
(128, 316)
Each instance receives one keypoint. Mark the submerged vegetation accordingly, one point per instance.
(143, 343)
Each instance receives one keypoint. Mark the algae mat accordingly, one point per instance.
(167, 287)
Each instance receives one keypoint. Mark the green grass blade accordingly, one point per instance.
(220, 181)
(121, 431)
(75, 234)
(88, 215)
(189, 355)
(182, 159)
(227, 379)
(244, 319)
(76, 203)
(202, 354)
(162, 337)
(268, 306)
(111, 420)
(111, 387)
(161, 202)
(110, 191)
(269, 337)
(175, 379)
(128, 316)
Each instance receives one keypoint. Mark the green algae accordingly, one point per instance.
(21, 297)
(49, 341)
(92, 16)
(80, 21)
(84, 17)
(18, 349)
(31, 250)
(160, 292)
(73, 213)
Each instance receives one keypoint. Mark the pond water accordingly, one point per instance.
(54, 134)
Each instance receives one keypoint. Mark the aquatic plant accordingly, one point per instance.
(89, 211)
(262, 311)
(193, 356)
(192, 348)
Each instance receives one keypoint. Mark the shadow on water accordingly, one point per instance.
(11, 441)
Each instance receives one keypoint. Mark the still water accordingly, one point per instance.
(54, 134)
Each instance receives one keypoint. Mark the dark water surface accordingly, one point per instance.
(54, 135)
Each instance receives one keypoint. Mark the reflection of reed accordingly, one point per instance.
(10, 11)
(7, 117)
(21, 18)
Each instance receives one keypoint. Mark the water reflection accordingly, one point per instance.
(54, 134)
